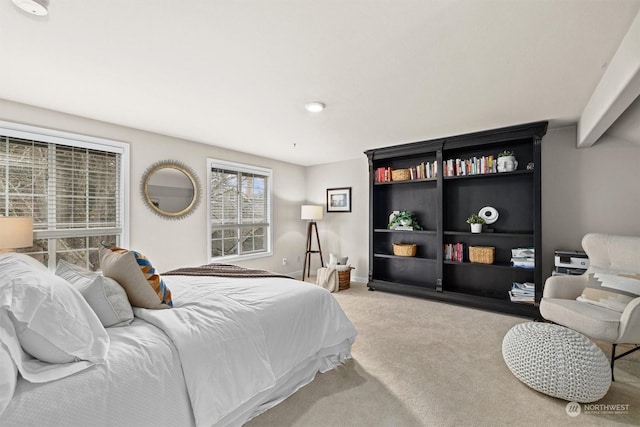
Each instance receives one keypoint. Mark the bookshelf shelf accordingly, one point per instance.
(491, 175)
(404, 258)
(443, 201)
(408, 181)
(479, 265)
(487, 235)
(386, 230)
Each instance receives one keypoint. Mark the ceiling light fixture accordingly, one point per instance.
(34, 7)
(314, 107)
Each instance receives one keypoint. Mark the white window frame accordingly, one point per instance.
(240, 167)
(39, 134)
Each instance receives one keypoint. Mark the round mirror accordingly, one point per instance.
(170, 189)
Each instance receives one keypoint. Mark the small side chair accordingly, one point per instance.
(609, 255)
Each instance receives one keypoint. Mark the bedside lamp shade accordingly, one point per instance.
(311, 212)
(16, 232)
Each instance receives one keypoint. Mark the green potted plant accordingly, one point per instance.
(403, 220)
(476, 222)
(507, 161)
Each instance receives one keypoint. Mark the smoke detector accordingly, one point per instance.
(34, 7)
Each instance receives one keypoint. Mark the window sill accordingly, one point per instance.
(237, 258)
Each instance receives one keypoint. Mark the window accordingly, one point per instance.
(239, 210)
(73, 186)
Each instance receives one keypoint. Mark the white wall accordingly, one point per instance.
(594, 189)
(174, 243)
(343, 233)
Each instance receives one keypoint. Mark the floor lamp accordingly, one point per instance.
(313, 214)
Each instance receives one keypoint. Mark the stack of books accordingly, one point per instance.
(424, 170)
(523, 258)
(522, 292)
(455, 252)
(474, 166)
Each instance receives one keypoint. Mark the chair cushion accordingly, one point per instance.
(611, 254)
(594, 321)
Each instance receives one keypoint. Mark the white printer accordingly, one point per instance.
(570, 262)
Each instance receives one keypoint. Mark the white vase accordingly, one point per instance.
(507, 164)
(476, 228)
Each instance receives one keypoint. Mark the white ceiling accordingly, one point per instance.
(237, 74)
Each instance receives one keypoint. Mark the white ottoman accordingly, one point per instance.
(557, 361)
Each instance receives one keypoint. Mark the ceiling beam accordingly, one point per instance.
(618, 88)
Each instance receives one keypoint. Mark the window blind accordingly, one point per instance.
(239, 210)
(72, 190)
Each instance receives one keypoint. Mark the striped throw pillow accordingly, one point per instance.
(134, 272)
(611, 291)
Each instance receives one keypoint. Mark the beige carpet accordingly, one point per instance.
(423, 363)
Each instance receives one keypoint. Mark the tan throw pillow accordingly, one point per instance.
(611, 291)
(133, 271)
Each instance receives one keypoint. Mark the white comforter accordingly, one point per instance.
(240, 338)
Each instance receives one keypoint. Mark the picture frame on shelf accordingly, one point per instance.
(339, 199)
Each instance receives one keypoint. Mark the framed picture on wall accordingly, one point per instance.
(339, 199)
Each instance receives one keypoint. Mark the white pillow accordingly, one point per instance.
(8, 378)
(105, 296)
(44, 320)
(336, 260)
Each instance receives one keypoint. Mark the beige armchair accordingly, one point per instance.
(608, 254)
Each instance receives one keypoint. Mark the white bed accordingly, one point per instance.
(229, 349)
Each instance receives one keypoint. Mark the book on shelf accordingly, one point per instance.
(383, 174)
(528, 263)
(523, 258)
(402, 227)
(522, 292)
(423, 170)
(455, 252)
(523, 252)
(472, 166)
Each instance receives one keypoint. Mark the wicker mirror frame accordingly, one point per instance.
(153, 204)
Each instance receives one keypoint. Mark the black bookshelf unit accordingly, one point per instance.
(442, 204)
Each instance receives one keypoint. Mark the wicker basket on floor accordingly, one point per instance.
(482, 254)
(344, 279)
(400, 175)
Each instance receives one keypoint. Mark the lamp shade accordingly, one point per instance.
(311, 212)
(16, 232)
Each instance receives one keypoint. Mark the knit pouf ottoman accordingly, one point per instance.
(557, 361)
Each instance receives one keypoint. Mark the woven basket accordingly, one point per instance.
(344, 279)
(400, 175)
(482, 254)
(404, 249)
